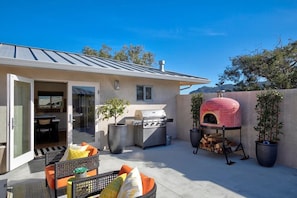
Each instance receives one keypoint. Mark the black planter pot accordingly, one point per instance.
(195, 137)
(266, 153)
(116, 138)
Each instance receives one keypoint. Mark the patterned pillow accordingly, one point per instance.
(75, 154)
(132, 186)
(113, 188)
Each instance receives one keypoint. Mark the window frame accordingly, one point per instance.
(144, 94)
(50, 96)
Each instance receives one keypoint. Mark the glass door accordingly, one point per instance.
(82, 101)
(21, 130)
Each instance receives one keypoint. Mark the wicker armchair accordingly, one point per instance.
(58, 172)
(91, 186)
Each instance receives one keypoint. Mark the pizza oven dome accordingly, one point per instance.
(219, 112)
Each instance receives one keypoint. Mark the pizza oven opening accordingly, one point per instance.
(219, 112)
(210, 118)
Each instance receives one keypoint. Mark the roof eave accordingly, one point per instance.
(66, 67)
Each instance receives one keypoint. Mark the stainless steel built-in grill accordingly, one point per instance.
(150, 128)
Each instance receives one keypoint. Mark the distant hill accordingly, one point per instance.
(226, 88)
(205, 89)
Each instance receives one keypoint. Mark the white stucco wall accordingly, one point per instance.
(164, 97)
(3, 108)
(247, 100)
(163, 94)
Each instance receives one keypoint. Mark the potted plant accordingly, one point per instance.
(117, 133)
(195, 132)
(268, 126)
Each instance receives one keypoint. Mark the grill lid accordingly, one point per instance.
(150, 114)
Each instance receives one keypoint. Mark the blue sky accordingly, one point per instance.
(193, 37)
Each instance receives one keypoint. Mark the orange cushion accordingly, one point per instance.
(125, 169)
(93, 150)
(50, 177)
(147, 182)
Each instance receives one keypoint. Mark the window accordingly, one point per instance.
(50, 100)
(143, 92)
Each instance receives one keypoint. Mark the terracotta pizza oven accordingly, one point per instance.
(219, 112)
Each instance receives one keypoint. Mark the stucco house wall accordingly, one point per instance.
(247, 100)
(163, 94)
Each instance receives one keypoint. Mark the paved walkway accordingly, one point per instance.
(180, 173)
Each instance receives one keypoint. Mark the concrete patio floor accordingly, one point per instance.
(180, 173)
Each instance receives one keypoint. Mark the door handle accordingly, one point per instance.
(12, 123)
(70, 118)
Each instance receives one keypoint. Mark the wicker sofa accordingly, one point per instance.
(92, 186)
(58, 172)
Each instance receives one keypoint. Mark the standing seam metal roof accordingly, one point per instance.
(43, 58)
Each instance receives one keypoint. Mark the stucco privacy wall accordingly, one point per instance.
(164, 94)
(247, 100)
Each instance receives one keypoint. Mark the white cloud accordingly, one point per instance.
(176, 33)
(206, 32)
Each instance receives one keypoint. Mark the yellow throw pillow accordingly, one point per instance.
(74, 147)
(75, 154)
(132, 186)
(113, 188)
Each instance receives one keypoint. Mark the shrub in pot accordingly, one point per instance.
(196, 132)
(268, 126)
(117, 133)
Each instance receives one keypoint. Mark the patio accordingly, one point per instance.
(178, 173)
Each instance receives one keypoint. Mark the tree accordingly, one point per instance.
(274, 69)
(90, 51)
(122, 54)
(133, 54)
(104, 52)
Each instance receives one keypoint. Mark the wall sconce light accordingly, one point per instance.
(116, 84)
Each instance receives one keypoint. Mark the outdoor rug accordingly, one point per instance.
(39, 153)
